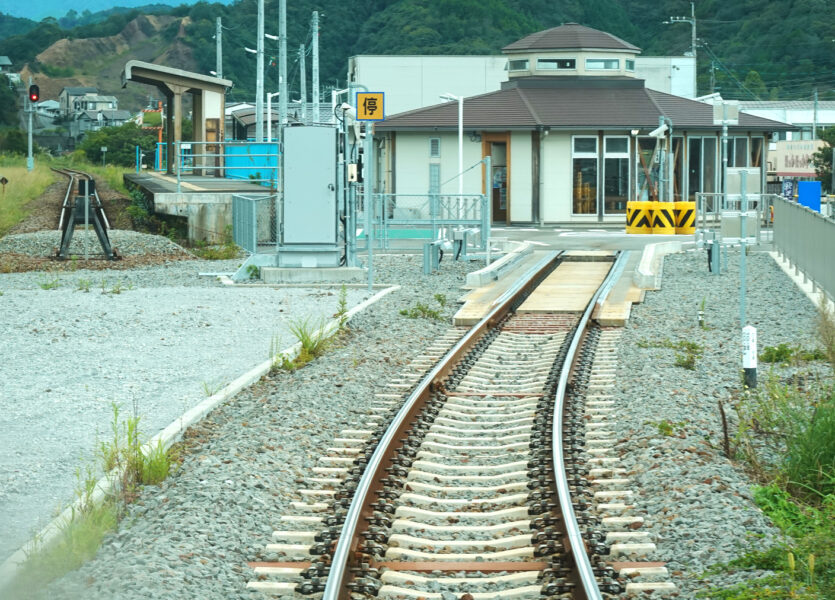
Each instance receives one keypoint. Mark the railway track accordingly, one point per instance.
(84, 209)
(486, 472)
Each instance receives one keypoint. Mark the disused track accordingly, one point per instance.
(477, 485)
(75, 211)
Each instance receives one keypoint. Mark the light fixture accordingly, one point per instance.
(475, 136)
(635, 132)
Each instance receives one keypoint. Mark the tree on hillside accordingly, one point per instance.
(121, 143)
(822, 159)
(8, 104)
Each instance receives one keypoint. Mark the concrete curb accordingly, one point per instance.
(50, 534)
(815, 295)
(497, 269)
(648, 273)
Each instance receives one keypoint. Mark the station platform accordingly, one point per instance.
(205, 202)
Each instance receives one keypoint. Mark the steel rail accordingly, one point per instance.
(575, 538)
(335, 587)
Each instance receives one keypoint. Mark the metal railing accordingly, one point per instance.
(716, 211)
(404, 219)
(256, 162)
(807, 239)
(255, 222)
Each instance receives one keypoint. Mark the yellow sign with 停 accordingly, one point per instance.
(370, 106)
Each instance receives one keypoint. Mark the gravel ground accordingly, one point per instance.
(157, 341)
(192, 536)
(697, 504)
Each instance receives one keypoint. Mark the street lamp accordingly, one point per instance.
(692, 20)
(460, 100)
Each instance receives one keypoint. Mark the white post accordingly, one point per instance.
(749, 355)
(218, 49)
(259, 79)
(303, 82)
(315, 58)
(460, 149)
(30, 162)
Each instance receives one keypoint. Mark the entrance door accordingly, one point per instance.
(495, 145)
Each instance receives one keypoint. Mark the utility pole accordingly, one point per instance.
(815, 117)
(303, 84)
(712, 76)
(692, 20)
(314, 26)
(259, 81)
(218, 49)
(282, 70)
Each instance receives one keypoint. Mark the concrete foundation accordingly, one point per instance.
(319, 275)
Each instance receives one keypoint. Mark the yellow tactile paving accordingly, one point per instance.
(568, 288)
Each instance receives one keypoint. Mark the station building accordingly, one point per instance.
(568, 136)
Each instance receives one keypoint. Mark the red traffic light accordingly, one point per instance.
(34, 93)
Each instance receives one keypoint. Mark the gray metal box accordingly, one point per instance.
(310, 207)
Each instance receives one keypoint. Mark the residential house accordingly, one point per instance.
(69, 95)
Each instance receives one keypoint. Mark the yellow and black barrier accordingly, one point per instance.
(685, 213)
(638, 217)
(662, 217)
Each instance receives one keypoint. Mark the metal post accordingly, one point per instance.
(303, 82)
(485, 207)
(259, 79)
(282, 68)
(743, 217)
(369, 200)
(314, 26)
(30, 162)
(86, 218)
(218, 49)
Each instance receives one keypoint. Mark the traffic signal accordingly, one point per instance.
(34, 93)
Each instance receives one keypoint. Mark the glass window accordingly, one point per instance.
(678, 166)
(584, 176)
(619, 145)
(647, 168)
(585, 145)
(434, 147)
(630, 64)
(517, 65)
(602, 63)
(434, 178)
(757, 152)
(740, 153)
(556, 63)
(615, 174)
(709, 165)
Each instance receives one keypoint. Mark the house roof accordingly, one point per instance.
(570, 104)
(5, 62)
(570, 36)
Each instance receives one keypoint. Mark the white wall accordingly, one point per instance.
(411, 82)
(521, 176)
(555, 198)
(412, 163)
(668, 74)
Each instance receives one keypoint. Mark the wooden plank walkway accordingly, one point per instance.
(568, 289)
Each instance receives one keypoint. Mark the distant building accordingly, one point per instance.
(805, 115)
(568, 135)
(49, 109)
(94, 102)
(69, 95)
(93, 120)
(5, 65)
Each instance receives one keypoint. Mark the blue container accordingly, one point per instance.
(809, 194)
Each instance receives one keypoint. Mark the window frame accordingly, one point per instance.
(526, 62)
(556, 62)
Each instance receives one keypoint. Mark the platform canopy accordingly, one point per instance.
(208, 92)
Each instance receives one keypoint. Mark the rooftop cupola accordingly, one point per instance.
(570, 49)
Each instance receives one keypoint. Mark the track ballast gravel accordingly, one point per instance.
(192, 536)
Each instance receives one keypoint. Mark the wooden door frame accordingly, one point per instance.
(488, 138)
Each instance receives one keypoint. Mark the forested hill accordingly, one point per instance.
(766, 49)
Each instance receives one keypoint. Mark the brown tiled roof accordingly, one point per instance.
(570, 36)
(593, 103)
